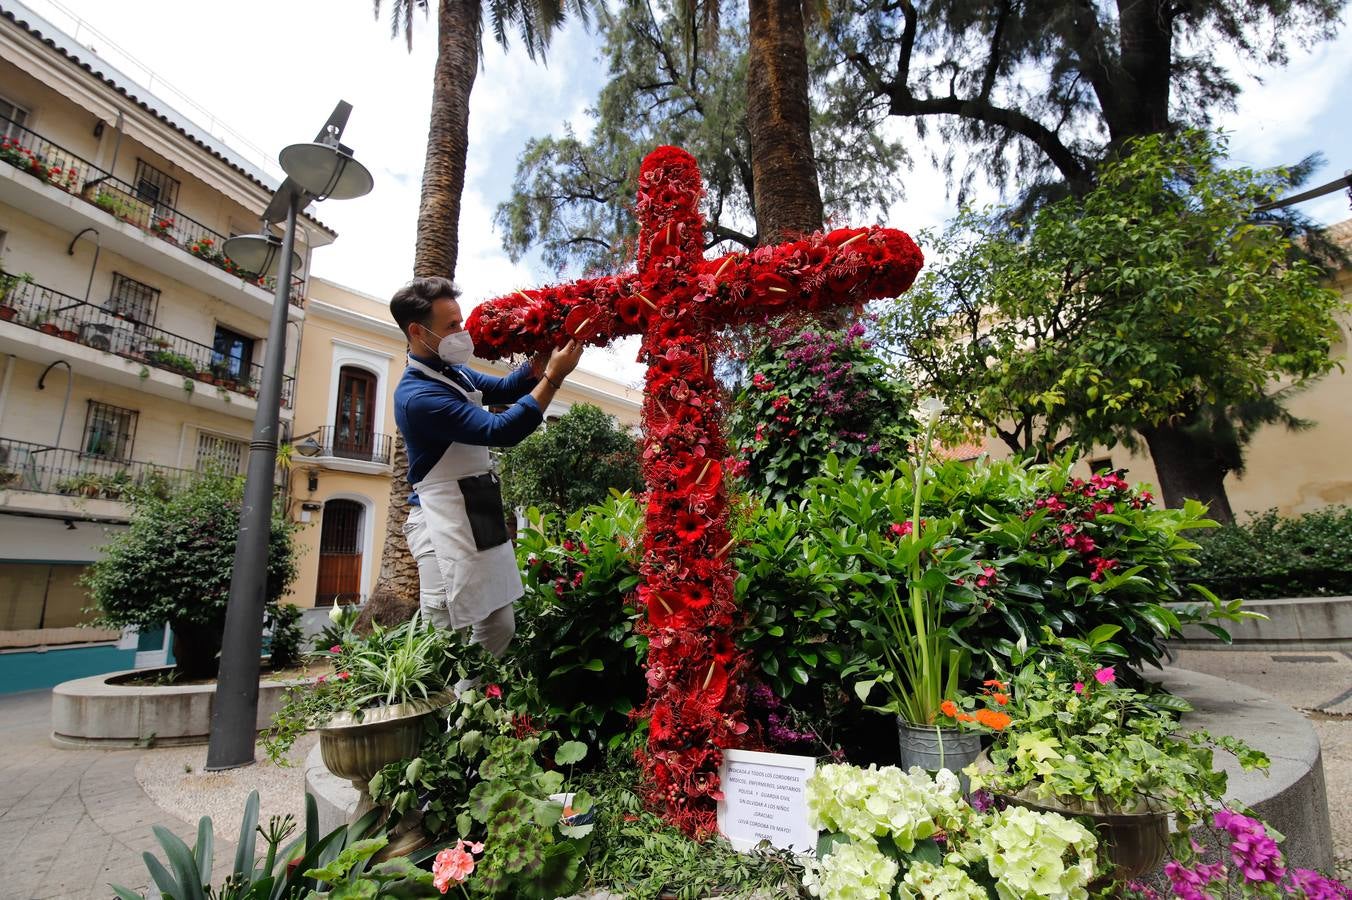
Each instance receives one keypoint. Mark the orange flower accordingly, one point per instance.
(997, 721)
(963, 717)
(993, 682)
(999, 698)
(949, 708)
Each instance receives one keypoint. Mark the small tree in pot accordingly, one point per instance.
(173, 565)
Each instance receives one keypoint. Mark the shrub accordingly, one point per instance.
(575, 624)
(576, 461)
(1034, 548)
(173, 564)
(1269, 556)
(813, 393)
(284, 644)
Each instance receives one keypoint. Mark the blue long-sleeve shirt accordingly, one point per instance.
(432, 415)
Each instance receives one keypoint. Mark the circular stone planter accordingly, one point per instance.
(103, 711)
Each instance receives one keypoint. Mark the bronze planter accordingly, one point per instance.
(358, 749)
(1136, 842)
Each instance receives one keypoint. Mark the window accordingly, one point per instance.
(354, 428)
(12, 119)
(109, 431)
(154, 186)
(222, 453)
(1101, 464)
(133, 300)
(37, 598)
(233, 353)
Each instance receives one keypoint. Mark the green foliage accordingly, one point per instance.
(410, 663)
(812, 577)
(575, 623)
(1079, 738)
(529, 852)
(573, 462)
(348, 878)
(440, 778)
(635, 853)
(173, 562)
(1309, 555)
(573, 197)
(289, 870)
(284, 644)
(1153, 299)
(811, 393)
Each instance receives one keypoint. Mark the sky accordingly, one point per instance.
(270, 72)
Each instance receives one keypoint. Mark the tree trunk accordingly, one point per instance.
(784, 172)
(436, 248)
(1187, 471)
(443, 179)
(1141, 105)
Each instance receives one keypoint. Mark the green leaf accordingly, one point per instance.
(351, 857)
(570, 752)
(244, 846)
(202, 850)
(182, 862)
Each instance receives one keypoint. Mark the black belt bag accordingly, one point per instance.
(483, 505)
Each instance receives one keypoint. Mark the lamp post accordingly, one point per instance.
(315, 171)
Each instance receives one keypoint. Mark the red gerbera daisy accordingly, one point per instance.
(632, 310)
(689, 527)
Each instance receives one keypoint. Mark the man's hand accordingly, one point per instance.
(538, 363)
(563, 360)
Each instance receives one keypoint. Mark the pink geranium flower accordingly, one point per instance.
(336, 648)
(454, 864)
(1106, 675)
(492, 692)
(1079, 687)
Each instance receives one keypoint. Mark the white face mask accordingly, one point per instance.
(454, 349)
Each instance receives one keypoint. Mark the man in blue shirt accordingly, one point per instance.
(456, 528)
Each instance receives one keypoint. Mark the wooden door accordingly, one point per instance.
(340, 554)
(354, 428)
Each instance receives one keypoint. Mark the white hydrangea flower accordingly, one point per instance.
(1027, 853)
(926, 881)
(865, 804)
(854, 871)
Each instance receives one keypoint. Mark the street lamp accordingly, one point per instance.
(315, 171)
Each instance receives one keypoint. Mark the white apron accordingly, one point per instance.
(478, 582)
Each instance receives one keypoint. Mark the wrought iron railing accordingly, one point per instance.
(369, 447)
(44, 309)
(32, 153)
(25, 466)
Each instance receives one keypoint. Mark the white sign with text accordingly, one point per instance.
(765, 799)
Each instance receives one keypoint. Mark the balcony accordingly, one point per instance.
(97, 486)
(60, 315)
(44, 325)
(61, 187)
(338, 449)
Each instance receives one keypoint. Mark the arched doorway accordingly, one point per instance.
(340, 552)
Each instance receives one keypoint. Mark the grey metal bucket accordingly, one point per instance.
(934, 748)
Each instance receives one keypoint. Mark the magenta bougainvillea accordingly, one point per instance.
(678, 300)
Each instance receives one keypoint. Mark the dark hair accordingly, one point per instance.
(413, 302)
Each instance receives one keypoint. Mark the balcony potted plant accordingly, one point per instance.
(68, 334)
(115, 486)
(42, 321)
(1070, 738)
(7, 477)
(370, 712)
(9, 286)
(162, 227)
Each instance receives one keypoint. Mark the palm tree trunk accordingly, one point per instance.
(784, 171)
(437, 244)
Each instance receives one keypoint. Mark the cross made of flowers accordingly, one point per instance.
(678, 301)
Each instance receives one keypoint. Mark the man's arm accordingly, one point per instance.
(444, 417)
(507, 389)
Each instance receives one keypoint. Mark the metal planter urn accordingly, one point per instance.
(357, 748)
(1136, 841)
(933, 748)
